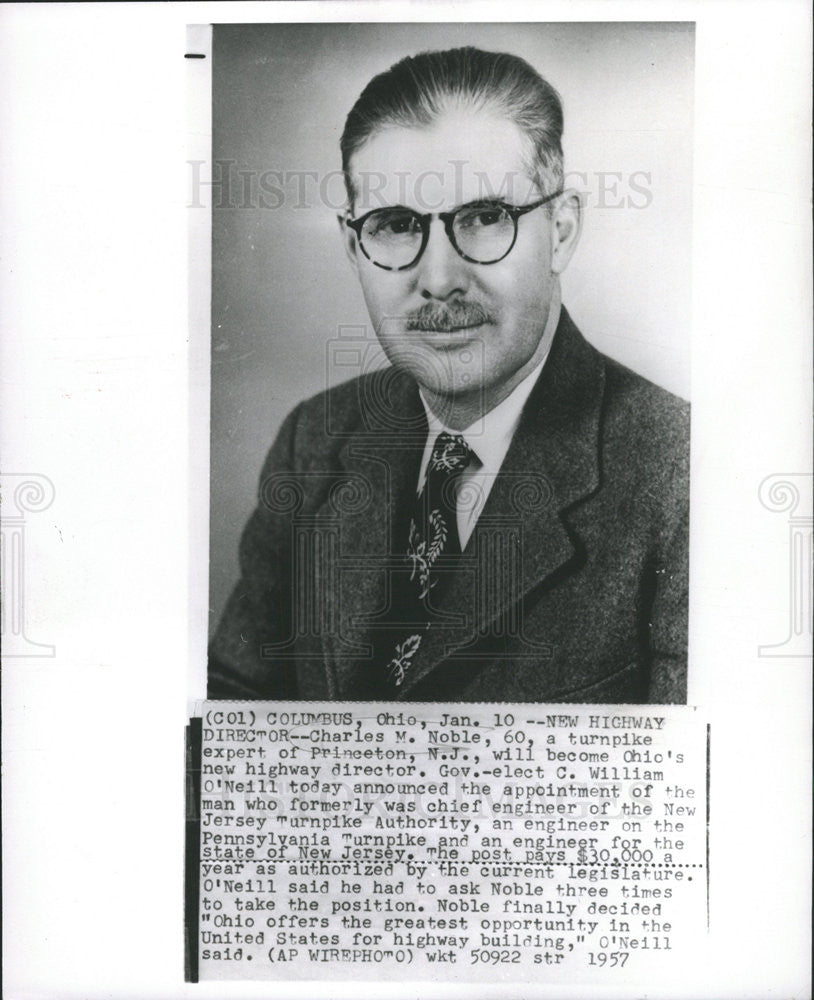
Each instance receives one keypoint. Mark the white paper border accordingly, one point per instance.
(93, 283)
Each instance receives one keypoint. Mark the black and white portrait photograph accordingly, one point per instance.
(450, 342)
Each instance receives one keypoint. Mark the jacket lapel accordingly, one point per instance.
(380, 464)
(520, 539)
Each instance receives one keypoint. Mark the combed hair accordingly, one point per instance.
(417, 90)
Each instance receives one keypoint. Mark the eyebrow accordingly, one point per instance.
(477, 203)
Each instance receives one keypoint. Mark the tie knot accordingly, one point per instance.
(450, 454)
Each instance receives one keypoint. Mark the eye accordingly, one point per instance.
(393, 224)
(481, 217)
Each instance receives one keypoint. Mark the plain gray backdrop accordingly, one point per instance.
(283, 293)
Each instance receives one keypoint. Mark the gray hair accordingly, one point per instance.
(416, 91)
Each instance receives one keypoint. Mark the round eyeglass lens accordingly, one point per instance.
(484, 234)
(392, 238)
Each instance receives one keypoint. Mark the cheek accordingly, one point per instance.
(383, 291)
(533, 286)
(517, 296)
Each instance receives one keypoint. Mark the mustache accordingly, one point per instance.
(435, 317)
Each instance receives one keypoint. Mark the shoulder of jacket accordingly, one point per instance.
(629, 392)
(329, 416)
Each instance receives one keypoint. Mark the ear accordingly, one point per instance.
(349, 241)
(566, 226)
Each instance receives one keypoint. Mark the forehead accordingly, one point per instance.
(464, 156)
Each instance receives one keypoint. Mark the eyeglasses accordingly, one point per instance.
(482, 232)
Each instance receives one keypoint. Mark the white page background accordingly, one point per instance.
(97, 394)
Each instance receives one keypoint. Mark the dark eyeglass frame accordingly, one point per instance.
(448, 218)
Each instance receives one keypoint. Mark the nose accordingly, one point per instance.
(443, 273)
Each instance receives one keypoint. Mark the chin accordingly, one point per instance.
(454, 389)
(429, 368)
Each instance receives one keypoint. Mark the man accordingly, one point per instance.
(501, 515)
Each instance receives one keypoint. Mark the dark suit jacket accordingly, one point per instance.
(573, 587)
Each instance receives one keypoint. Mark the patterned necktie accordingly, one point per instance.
(433, 533)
